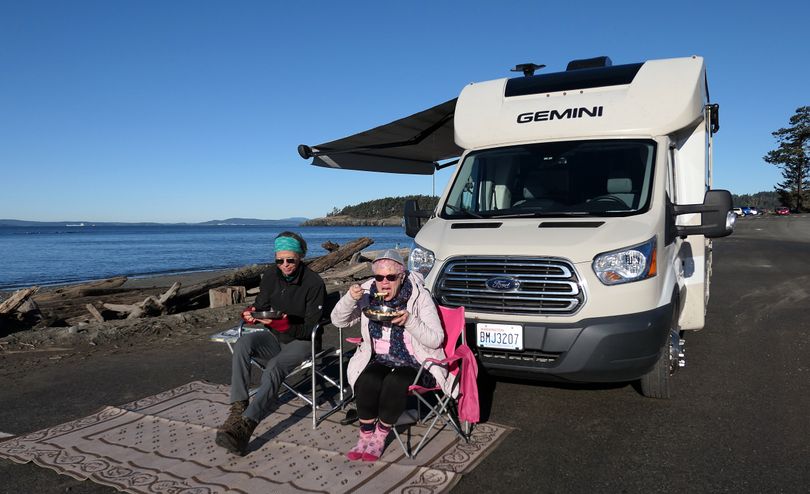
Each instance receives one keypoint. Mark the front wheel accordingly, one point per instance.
(658, 382)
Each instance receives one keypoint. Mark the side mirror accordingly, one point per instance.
(717, 217)
(414, 218)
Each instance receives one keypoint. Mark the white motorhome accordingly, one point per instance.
(576, 229)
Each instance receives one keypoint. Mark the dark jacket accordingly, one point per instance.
(301, 299)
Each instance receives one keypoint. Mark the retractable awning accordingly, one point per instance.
(413, 144)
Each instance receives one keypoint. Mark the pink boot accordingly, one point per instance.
(356, 453)
(377, 444)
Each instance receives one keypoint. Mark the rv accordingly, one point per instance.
(576, 228)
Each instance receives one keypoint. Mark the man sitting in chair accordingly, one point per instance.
(391, 352)
(298, 293)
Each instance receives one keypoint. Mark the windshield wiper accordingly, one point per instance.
(540, 214)
(465, 212)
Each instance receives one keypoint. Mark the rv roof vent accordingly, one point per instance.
(527, 68)
(589, 63)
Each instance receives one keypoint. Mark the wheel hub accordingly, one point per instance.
(677, 352)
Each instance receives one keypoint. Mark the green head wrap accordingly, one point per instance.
(288, 243)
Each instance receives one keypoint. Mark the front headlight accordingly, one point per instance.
(629, 264)
(421, 260)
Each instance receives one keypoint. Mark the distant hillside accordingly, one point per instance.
(295, 221)
(252, 221)
(387, 211)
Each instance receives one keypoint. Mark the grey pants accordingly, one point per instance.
(278, 360)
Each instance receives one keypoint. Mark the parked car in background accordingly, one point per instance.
(782, 211)
(738, 211)
(749, 210)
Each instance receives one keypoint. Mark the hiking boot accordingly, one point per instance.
(236, 437)
(237, 409)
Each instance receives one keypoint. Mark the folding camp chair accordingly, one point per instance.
(462, 371)
(314, 367)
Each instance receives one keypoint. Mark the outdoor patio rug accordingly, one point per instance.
(165, 443)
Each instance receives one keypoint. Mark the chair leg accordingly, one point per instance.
(313, 377)
(405, 449)
(442, 410)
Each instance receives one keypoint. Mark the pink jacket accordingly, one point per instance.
(423, 328)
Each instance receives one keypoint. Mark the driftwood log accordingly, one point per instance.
(249, 276)
(150, 306)
(99, 287)
(226, 295)
(353, 271)
(17, 299)
(323, 263)
(330, 246)
(94, 312)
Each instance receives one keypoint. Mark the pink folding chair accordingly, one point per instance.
(463, 373)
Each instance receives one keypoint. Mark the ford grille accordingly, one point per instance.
(510, 285)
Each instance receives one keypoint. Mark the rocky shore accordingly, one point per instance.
(88, 336)
(352, 221)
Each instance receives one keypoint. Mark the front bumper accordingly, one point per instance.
(604, 349)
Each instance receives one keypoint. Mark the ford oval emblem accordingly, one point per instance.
(503, 284)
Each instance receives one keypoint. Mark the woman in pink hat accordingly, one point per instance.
(390, 355)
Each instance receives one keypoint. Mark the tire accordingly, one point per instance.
(658, 382)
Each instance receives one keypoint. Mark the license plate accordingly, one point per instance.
(502, 336)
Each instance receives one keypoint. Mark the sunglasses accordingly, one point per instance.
(389, 277)
(289, 260)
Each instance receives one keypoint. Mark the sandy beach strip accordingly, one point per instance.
(186, 279)
(166, 280)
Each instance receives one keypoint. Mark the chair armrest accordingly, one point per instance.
(432, 361)
(243, 325)
(443, 362)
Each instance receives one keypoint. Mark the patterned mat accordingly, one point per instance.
(165, 443)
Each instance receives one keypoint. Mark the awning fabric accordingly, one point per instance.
(412, 145)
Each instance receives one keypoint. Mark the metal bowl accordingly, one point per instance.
(381, 313)
(267, 314)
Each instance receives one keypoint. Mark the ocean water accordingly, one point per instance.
(56, 255)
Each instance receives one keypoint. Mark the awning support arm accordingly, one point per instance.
(445, 165)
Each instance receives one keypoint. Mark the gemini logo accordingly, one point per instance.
(544, 115)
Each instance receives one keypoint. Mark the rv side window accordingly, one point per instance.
(598, 178)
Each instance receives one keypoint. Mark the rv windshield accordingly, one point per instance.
(588, 178)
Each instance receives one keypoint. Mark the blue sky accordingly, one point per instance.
(192, 110)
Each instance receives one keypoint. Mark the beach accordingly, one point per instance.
(83, 333)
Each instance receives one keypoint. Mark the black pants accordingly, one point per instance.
(382, 391)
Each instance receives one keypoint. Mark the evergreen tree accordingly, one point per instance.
(385, 207)
(793, 158)
(767, 200)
